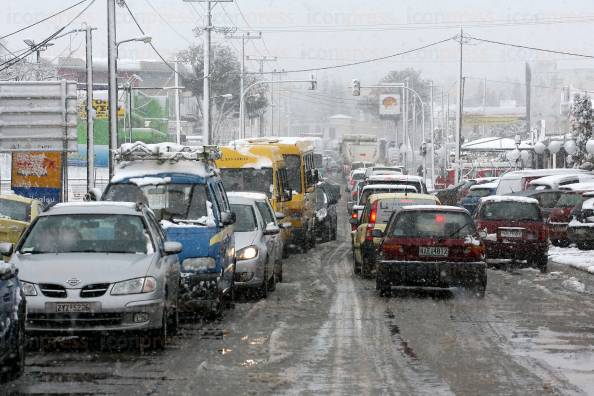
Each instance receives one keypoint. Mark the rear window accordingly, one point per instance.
(507, 186)
(510, 210)
(432, 224)
(386, 207)
(569, 200)
(365, 194)
(358, 176)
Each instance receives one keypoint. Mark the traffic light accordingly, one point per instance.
(314, 82)
(423, 149)
(356, 87)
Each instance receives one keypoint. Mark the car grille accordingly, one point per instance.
(73, 320)
(54, 291)
(96, 290)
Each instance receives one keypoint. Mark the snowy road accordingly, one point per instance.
(326, 331)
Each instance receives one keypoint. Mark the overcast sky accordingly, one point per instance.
(355, 30)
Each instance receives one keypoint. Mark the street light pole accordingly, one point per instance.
(90, 110)
(206, 138)
(112, 96)
(432, 123)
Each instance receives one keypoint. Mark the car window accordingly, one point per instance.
(432, 224)
(245, 218)
(510, 210)
(15, 210)
(568, 200)
(265, 212)
(548, 199)
(386, 207)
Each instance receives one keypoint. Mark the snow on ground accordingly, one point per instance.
(574, 284)
(573, 257)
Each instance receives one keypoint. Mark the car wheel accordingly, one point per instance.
(263, 290)
(272, 282)
(279, 273)
(583, 246)
(356, 268)
(157, 337)
(17, 362)
(173, 322)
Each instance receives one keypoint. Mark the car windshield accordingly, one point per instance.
(293, 163)
(15, 210)
(245, 218)
(510, 210)
(88, 233)
(432, 224)
(248, 179)
(386, 207)
(568, 200)
(168, 201)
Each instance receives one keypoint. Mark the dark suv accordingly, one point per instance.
(513, 227)
(12, 324)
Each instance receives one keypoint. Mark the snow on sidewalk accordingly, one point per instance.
(579, 259)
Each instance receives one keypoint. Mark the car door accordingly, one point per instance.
(273, 242)
(171, 262)
(228, 241)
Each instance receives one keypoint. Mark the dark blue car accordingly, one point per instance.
(12, 324)
(476, 192)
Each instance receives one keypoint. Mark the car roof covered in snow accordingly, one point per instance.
(390, 187)
(509, 198)
(440, 208)
(236, 197)
(486, 186)
(100, 207)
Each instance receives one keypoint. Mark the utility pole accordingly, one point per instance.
(90, 110)
(405, 135)
(432, 140)
(460, 110)
(206, 138)
(243, 37)
(112, 97)
(177, 104)
(261, 60)
(272, 104)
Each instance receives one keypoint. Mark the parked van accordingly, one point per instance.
(181, 186)
(302, 176)
(516, 181)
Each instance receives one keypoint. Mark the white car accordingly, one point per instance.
(258, 242)
(98, 267)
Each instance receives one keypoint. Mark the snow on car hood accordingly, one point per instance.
(87, 267)
(243, 239)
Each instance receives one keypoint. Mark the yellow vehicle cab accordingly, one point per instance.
(298, 155)
(375, 216)
(16, 213)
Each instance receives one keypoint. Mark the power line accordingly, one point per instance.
(42, 20)
(167, 22)
(14, 61)
(236, 2)
(523, 84)
(528, 47)
(367, 60)
(151, 43)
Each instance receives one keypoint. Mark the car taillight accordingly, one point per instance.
(477, 251)
(373, 213)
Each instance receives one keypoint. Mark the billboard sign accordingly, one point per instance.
(37, 175)
(389, 105)
(38, 116)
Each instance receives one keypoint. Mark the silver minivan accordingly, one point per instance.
(98, 267)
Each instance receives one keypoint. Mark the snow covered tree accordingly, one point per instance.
(581, 119)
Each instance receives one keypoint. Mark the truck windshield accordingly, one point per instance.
(88, 233)
(15, 210)
(247, 179)
(168, 201)
(293, 163)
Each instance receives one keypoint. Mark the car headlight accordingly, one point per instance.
(135, 286)
(247, 253)
(28, 288)
(199, 264)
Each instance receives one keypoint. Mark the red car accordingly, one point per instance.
(513, 228)
(560, 216)
(431, 246)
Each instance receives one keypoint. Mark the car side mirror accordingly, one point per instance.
(377, 233)
(271, 229)
(285, 226)
(279, 215)
(6, 248)
(172, 247)
(228, 218)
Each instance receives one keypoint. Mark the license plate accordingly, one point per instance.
(511, 233)
(432, 251)
(73, 307)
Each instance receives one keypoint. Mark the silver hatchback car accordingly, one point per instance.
(258, 243)
(98, 267)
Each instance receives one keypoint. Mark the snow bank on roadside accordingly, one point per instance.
(573, 257)
(574, 284)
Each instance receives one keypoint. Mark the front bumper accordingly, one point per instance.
(254, 266)
(117, 313)
(431, 274)
(199, 291)
(515, 250)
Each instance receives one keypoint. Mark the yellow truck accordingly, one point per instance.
(302, 176)
(16, 213)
